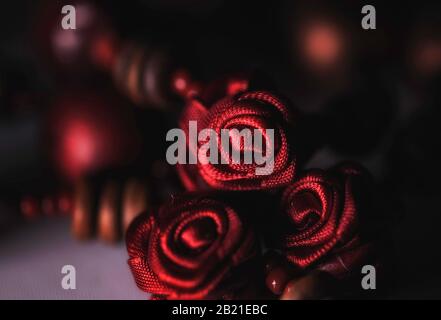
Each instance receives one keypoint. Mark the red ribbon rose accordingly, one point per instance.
(325, 215)
(189, 248)
(252, 110)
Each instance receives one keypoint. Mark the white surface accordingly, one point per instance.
(32, 255)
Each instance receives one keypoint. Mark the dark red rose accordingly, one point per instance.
(191, 249)
(324, 209)
(249, 110)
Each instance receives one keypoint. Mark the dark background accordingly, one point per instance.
(377, 102)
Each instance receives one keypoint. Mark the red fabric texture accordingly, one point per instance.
(324, 213)
(188, 248)
(252, 110)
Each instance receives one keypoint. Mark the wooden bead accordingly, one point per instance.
(156, 79)
(314, 285)
(83, 220)
(75, 51)
(121, 65)
(135, 201)
(143, 74)
(91, 131)
(48, 206)
(277, 279)
(109, 224)
(182, 84)
(64, 203)
(29, 207)
(104, 50)
(102, 208)
(133, 77)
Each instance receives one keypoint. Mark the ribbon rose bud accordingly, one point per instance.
(257, 125)
(324, 209)
(191, 249)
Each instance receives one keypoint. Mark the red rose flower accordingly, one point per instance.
(250, 110)
(189, 248)
(325, 214)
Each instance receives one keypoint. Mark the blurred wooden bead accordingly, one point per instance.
(135, 201)
(314, 285)
(109, 224)
(144, 73)
(323, 45)
(183, 85)
(91, 131)
(104, 51)
(76, 51)
(121, 63)
(423, 46)
(180, 81)
(107, 207)
(133, 77)
(29, 207)
(277, 279)
(48, 206)
(102, 208)
(64, 203)
(129, 58)
(83, 220)
(80, 52)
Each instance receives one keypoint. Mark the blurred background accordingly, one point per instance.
(83, 117)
